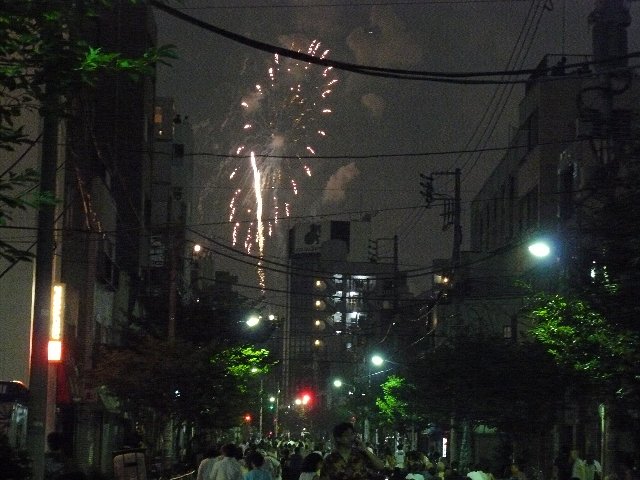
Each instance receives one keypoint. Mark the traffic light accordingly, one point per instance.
(373, 251)
(247, 417)
(304, 398)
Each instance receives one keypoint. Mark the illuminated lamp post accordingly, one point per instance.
(539, 249)
(253, 321)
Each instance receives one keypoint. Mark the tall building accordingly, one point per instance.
(341, 303)
(167, 247)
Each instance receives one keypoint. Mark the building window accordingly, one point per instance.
(157, 115)
(507, 334)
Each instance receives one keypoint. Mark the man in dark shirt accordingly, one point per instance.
(350, 460)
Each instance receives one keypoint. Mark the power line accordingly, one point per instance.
(468, 78)
(350, 4)
(515, 53)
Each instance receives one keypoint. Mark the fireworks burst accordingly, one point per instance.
(281, 122)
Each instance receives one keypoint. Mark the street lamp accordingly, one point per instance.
(338, 383)
(253, 320)
(540, 249)
(377, 360)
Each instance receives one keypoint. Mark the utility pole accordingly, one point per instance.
(452, 215)
(39, 365)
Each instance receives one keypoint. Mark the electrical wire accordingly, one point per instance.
(468, 78)
(514, 54)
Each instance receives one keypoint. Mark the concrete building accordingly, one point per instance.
(341, 304)
(108, 146)
(167, 248)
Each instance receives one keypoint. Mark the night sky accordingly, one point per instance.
(379, 117)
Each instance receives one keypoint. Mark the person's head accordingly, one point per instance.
(229, 450)
(574, 454)
(312, 462)
(344, 434)
(414, 462)
(211, 452)
(255, 459)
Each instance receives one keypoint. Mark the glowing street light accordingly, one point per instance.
(540, 249)
(377, 360)
(252, 321)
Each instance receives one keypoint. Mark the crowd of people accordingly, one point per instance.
(349, 458)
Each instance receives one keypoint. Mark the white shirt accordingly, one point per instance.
(478, 475)
(226, 469)
(204, 469)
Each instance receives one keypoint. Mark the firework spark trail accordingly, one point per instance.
(257, 185)
(280, 123)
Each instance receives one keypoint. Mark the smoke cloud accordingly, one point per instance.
(374, 103)
(335, 190)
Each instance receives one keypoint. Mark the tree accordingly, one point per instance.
(590, 324)
(156, 380)
(472, 380)
(11, 199)
(392, 405)
(582, 339)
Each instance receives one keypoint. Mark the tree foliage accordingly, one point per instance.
(45, 58)
(591, 325)
(499, 384)
(15, 195)
(158, 379)
(392, 404)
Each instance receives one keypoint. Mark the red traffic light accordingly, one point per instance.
(247, 418)
(304, 398)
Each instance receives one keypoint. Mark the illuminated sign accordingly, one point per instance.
(56, 323)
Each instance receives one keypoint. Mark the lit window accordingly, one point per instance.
(157, 116)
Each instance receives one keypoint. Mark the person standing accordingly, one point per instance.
(515, 473)
(255, 462)
(592, 468)
(349, 460)
(399, 455)
(271, 463)
(311, 466)
(577, 465)
(57, 465)
(228, 467)
(205, 466)
(295, 463)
